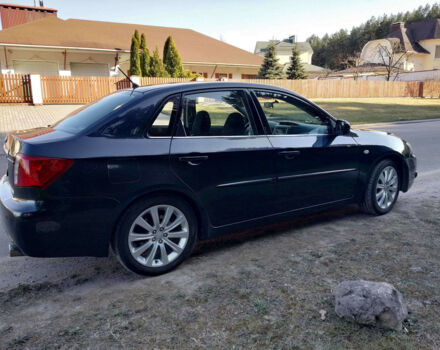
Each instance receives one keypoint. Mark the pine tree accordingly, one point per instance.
(157, 68)
(135, 62)
(171, 59)
(296, 68)
(271, 69)
(145, 57)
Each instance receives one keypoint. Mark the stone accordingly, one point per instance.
(371, 303)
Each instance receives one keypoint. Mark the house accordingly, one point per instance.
(418, 42)
(40, 42)
(284, 52)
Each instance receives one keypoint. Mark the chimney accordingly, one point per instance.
(292, 39)
(13, 15)
(397, 26)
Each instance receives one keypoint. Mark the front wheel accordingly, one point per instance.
(382, 189)
(156, 235)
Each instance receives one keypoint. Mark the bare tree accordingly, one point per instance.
(392, 58)
(353, 63)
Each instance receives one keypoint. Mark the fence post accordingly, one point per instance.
(37, 97)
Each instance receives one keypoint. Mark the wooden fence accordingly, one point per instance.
(15, 88)
(349, 88)
(57, 89)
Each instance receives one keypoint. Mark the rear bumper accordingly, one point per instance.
(56, 228)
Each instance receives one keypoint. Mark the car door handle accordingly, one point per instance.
(193, 160)
(289, 154)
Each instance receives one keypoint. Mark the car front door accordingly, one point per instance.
(217, 153)
(315, 166)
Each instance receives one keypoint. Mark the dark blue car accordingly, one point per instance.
(150, 171)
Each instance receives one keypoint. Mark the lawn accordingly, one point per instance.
(375, 110)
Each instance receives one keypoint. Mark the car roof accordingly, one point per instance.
(182, 87)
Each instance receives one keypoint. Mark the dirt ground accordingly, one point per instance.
(258, 289)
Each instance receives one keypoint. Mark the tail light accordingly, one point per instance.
(33, 171)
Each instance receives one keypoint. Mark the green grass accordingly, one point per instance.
(377, 110)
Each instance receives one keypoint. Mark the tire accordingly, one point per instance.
(382, 190)
(152, 249)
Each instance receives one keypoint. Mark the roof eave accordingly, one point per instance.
(63, 47)
(244, 65)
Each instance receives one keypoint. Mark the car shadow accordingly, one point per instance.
(273, 229)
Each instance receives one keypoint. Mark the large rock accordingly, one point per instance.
(371, 303)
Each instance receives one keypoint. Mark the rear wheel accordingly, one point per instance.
(382, 189)
(156, 235)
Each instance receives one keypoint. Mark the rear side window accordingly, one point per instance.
(217, 113)
(86, 116)
(161, 126)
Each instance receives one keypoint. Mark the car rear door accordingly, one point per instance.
(219, 155)
(314, 165)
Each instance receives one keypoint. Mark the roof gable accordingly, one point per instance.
(192, 46)
(410, 34)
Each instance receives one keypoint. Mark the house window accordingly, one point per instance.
(221, 75)
(248, 76)
(437, 51)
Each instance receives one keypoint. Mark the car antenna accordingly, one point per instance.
(131, 81)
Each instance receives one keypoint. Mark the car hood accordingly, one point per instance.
(365, 136)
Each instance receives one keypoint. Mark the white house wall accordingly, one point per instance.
(284, 57)
(54, 57)
(211, 70)
(429, 61)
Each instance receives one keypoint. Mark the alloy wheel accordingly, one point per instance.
(158, 235)
(387, 187)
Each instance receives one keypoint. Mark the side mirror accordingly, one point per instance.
(342, 127)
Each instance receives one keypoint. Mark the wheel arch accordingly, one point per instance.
(202, 218)
(401, 168)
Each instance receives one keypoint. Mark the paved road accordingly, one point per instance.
(424, 137)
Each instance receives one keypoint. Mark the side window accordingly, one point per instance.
(218, 113)
(161, 126)
(288, 116)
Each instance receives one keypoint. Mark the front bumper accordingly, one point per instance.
(411, 164)
(57, 227)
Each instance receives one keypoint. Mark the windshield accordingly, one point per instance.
(94, 112)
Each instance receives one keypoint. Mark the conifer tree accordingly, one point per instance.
(270, 69)
(171, 59)
(135, 62)
(145, 57)
(157, 68)
(296, 68)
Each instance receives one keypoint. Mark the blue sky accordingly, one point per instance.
(237, 22)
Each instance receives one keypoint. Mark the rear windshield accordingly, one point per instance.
(86, 116)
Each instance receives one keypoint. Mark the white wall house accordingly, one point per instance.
(419, 43)
(53, 46)
(284, 52)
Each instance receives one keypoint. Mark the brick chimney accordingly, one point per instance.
(397, 26)
(12, 15)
